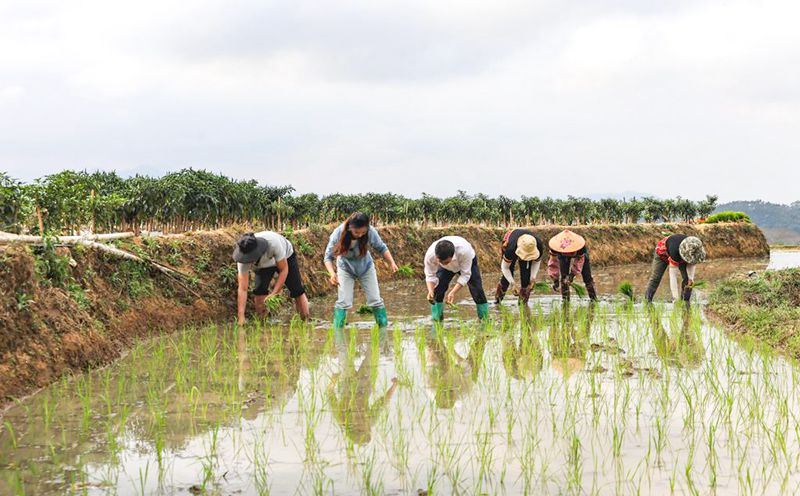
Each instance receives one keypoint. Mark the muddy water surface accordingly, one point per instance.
(608, 398)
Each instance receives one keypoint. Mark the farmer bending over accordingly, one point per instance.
(444, 259)
(569, 257)
(681, 253)
(266, 253)
(348, 249)
(527, 248)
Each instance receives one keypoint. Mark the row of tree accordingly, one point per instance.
(70, 201)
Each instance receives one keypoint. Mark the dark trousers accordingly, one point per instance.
(524, 275)
(657, 272)
(474, 284)
(586, 271)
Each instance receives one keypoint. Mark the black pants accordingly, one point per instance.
(524, 274)
(586, 272)
(293, 281)
(474, 284)
(657, 272)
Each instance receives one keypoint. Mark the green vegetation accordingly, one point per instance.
(196, 199)
(727, 217)
(364, 309)
(766, 307)
(405, 271)
(626, 289)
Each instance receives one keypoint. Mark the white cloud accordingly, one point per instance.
(621, 95)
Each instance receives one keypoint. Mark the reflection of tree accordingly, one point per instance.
(522, 360)
(683, 348)
(448, 374)
(569, 338)
(350, 389)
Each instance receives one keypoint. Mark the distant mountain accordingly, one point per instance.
(780, 223)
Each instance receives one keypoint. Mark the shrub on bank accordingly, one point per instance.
(728, 217)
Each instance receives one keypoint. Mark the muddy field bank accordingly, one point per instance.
(69, 309)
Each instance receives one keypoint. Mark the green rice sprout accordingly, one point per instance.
(405, 271)
(626, 289)
(541, 287)
(274, 303)
(364, 309)
(579, 290)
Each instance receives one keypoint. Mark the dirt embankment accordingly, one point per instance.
(98, 305)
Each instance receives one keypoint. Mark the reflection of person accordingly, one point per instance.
(523, 360)
(684, 350)
(348, 247)
(519, 245)
(444, 259)
(267, 253)
(569, 256)
(448, 374)
(568, 342)
(680, 253)
(349, 392)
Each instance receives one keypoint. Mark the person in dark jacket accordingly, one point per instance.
(522, 247)
(679, 253)
(569, 257)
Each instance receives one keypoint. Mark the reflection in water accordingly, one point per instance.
(522, 356)
(449, 375)
(682, 347)
(569, 338)
(350, 389)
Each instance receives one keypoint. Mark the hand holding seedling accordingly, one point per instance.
(334, 280)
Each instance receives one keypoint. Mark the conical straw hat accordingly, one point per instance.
(566, 242)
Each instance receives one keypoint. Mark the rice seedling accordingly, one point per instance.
(405, 271)
(626, 289)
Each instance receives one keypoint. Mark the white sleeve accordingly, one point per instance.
(673, 282)
(505, 268)
(534, 271)
(465, 267)
(690, 270)
(430, 268)
(243, 268)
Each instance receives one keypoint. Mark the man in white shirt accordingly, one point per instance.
(444, 259)
(267, 253)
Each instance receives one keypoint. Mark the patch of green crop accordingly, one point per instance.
(728, 216)
(626, 289)
(406, 271)
(364, 309)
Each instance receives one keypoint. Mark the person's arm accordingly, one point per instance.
(430, 267)
(241, 296)
(283, 272)
(690, 274)
(378, 245)
(387, 255)
(673, 282)
(329, 258)
(505, 268)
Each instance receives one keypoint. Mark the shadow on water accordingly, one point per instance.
(613, 397)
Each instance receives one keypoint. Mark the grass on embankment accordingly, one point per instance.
(765, 306)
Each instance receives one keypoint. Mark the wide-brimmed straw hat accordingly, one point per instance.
(566, 242)
(692, 250)
(249, 248)
(527, 249)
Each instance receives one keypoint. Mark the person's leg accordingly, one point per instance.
(437, 307)
(525, 286)
(657, 269)
(294, 284)
(369, 282)
(475, 285)
(261, 289)
(345, 297)
(588, 280)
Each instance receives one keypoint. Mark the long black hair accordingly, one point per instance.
(358, 220)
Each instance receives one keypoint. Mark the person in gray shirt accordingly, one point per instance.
(267, 253)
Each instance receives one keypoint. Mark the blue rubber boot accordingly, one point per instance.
(339, 318)
(483, 311)
(437, 311)
(380, 317)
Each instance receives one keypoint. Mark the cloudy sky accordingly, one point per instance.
(524, 97)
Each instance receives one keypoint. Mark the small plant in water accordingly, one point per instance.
(274, 303)
(626, 289)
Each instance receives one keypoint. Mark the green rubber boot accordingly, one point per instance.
(339, 318)
(483, 310)
(380, 317)
(437, 311)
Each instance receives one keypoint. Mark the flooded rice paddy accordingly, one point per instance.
(608, 398)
